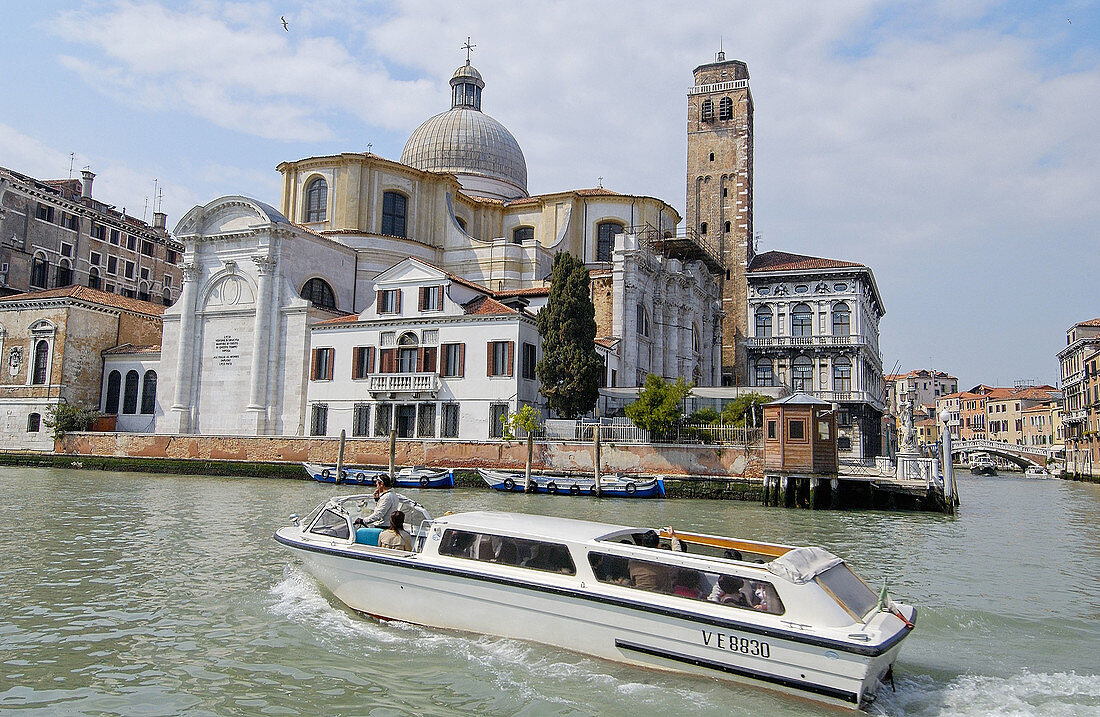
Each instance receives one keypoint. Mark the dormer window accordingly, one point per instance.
(389, 301)
(431, 298)
(522, 235)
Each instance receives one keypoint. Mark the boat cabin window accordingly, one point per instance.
(689, 583)
(506, 550)
(851, 592)
(332, 524)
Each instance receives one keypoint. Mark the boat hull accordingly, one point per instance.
(366, 476)
(574, 486)
(564, 613)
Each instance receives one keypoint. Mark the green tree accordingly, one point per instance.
(660, 405)
(526, 418)
(570, 370)
(738, 409)
(64, 418)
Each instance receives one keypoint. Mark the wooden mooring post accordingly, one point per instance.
(393, 451)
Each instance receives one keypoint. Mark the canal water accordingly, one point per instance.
(160, 595)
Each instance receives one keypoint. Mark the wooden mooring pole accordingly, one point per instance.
(393, 451)
(340, 456)
(597, 460)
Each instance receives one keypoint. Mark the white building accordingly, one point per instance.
(432, 356)
(814, 327)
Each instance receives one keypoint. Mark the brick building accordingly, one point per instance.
(53, 233)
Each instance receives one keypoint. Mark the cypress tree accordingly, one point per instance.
(570, 370)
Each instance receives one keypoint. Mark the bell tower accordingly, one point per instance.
(719, 191)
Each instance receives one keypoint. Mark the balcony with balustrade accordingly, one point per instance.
(404, 383)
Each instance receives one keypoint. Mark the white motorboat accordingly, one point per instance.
(794, 619)
(1037, 472)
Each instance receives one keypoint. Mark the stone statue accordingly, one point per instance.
(907, 433)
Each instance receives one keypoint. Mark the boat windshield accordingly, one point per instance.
(851, 592)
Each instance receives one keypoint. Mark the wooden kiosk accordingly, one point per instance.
(799, 450)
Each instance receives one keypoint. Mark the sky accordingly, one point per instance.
(953, 147)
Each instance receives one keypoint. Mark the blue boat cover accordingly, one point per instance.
(367, 536)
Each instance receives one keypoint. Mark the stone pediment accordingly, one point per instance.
(228, 215)
(410, 271)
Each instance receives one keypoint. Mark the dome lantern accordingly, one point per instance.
(466, 86)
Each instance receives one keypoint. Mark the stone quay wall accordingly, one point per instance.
(638, 459)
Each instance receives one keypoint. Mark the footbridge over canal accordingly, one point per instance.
(1023, 456)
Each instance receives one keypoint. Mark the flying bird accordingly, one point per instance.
(283, 18)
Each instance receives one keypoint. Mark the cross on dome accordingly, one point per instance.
(468, 48)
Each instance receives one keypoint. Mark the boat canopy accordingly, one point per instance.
(802, 564)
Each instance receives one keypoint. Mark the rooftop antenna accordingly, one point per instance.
(468, 48)
(160, 200)
(599, 182)
(145, 209)
(721, 50)
(72, 158)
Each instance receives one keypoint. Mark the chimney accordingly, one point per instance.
(160, 221)
(87, 176)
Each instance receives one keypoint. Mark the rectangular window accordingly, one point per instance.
(361, 420)
(425, 420)
(506, 550)
(454, 360)
(389, 301)
(362, 362)
(99, 232)
(170, 256)
(771, 430)
(431, 298)
(147, 247)
(109, 288)
(322, 364)
(95, 259)
(44, 212)
(641, 323)
(129, 293)
(500, 358)
(382, 418)
(167, 280)
(72, 222)
(449, 427)
(66, 249)
(131, 241)
(114, 236)
(129, 270)
(318, 426)
(732, 590)
(529, 361)
(796, 430)
(497, 412)
(394, 214)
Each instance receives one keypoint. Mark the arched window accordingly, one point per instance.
(41, 362)
(319, 293)
(407, 352)
(64, 274)
(642, 322)
(34, 423)
(149, 392)
(316, 200)
(461, 223)
(802, 374)
(707, 112)
(765, 375)
(394, 214)
(842, 374)
(763, 322)
(143, 291)
(166, 297)
(114, 390)
(802, 320)
(695, 338)
(94, 281)
(725, 108)
(842, 320)
(39, 271)
(605, 239)
(130, 395)
(728, 227)
(523, 234)
(703, 228)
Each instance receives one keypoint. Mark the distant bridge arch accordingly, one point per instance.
(1023, 456)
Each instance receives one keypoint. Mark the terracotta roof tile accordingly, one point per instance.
(784, 261)
(1090, 322)
(345, 319)
(92, 296)
(529, 291)
(607, 341)
(486, 306)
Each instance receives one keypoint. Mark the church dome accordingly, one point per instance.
(470, 144)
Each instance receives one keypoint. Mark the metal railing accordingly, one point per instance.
(983, 444)
(766, 342)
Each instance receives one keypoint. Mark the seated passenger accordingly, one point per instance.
(687, 584)
(396, 537)
(647, 575)
(728, 591)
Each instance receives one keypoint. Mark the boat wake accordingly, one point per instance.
(529, 672)
(1023, 694)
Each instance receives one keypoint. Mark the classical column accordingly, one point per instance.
(181, 402)
(658, 330)
(257, 396)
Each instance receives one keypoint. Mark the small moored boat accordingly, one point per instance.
(790, 618)
(412, 477)
(1037, 472)
(983, 465)
(611, 485)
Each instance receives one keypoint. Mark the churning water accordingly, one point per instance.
(159, 595)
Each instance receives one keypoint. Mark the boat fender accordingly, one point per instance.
(631, 489)
(326, 474)
(509, 484)
(423, 481)
(552, 488)
(574, 489)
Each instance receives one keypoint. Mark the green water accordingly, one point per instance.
(159, 595)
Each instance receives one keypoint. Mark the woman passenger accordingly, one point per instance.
(396, 537)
